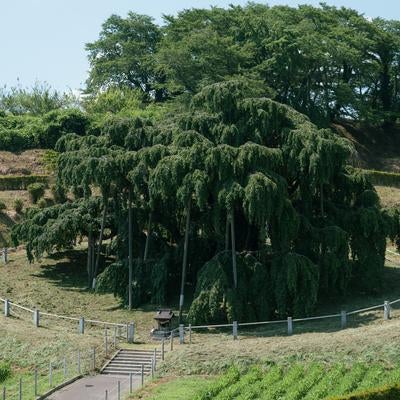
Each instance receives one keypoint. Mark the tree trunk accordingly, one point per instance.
(89, 258)
(234, 268)
(130, 252)
(227, 234)
(93, 258)
(322, 199)
(184, 262)
(146, 247)
(96, 267)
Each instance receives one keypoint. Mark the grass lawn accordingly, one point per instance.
(182, 388)
(57, 284)
(390, 196)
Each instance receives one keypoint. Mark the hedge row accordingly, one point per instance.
(20, 182)
(383, 178)
(383, 393)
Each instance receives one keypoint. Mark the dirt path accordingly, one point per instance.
(94, 388)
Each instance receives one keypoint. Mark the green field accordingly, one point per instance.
(298, 382)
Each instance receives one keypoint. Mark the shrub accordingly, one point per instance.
(36, 191)
(18, 205)
(383, 393)
(21, 182)
(58, 193)
(383, 178)
(2, 206)
(42, 203)
(5, 371)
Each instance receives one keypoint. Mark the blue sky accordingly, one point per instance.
(44, 40)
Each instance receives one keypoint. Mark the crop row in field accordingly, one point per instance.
(311, 382)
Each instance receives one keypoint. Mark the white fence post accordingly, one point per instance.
(36, 318)
(181, 334)
(5, 255)
(131, 332)
(235, 330)
(289, 326)
(106, 342)
(343, 319)
(81, 325)
(6, 308)
(386, 311)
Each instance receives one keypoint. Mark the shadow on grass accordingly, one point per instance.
(68, 272)
(280, 330)
(6, 220)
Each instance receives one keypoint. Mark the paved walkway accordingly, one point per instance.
(94, 388)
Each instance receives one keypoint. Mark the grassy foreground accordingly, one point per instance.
(182, 388)
(314, 381)
(58, 284)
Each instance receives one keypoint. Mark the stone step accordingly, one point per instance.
(130, 365)
(128, 361)
(111, 372)
(125, 370)
(149, 355)
(138, 351)
(128, 368)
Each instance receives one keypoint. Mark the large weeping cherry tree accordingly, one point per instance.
(236, 195)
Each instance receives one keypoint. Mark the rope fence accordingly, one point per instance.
(40, 318)
(288, 323)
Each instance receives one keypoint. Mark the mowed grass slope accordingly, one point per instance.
(58, 284)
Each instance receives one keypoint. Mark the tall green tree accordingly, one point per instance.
(123, 55)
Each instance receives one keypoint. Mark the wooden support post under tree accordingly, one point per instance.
(227, 225)
(146, 247)
(234, 267)
(184, 262)
(103, 222)
(322, 198)
(89, 258)
(130, 252)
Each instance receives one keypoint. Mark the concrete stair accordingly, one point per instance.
(127, 362)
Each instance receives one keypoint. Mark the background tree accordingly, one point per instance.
(123, 55)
